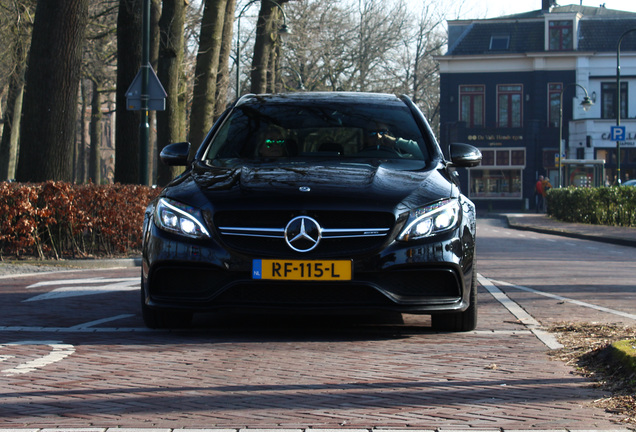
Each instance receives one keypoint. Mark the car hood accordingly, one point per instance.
(370, 186)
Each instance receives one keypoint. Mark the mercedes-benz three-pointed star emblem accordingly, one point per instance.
(303, 233)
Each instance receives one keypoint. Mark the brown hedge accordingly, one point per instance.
(64, 220)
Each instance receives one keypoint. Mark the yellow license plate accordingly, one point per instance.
(301, 270)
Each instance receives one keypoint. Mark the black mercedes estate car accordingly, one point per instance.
(314, 202)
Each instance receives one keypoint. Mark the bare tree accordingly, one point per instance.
(50, 102)
(99, 69)
(357, 45)
(169, 71)
(192, 27)
(378, 31)
(11, 127)
(417, 73)
(207, 67)
(16, 21)
(343, 45)
(312, 52)
(94, 159)
(429, 42)
(81, 144)
(366, 45)
(267, 38)
(223, 77)
(129, 42)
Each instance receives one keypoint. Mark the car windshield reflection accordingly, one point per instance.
(308, 131)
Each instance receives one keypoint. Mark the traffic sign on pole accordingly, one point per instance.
(155, 95)
(618, 133)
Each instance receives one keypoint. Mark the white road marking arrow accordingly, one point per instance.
(82, 287)
(59, 351)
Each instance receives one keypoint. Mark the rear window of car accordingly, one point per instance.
(311, 130)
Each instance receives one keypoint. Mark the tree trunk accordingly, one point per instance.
(263, 65)
(17, 51)
(94, 158)
(129, 41)
(16, 25)
(79, 175)
(169, 70)
(273, 67)
(206, 70)
(50, 100)
(11, 120)
(262, 48)
(223, 77)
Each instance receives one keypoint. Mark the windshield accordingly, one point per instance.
(313, 130)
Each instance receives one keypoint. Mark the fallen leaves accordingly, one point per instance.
(586, 349)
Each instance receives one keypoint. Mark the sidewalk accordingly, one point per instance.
(540, 222)
(14, 268)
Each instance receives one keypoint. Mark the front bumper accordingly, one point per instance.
(426, 277)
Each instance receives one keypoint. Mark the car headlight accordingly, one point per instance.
(180, 219)
(431, 220)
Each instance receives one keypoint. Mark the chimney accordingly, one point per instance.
(547, 4)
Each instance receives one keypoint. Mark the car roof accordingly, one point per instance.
(321, 97)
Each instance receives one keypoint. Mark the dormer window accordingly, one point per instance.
(561, 35)
(500, 43)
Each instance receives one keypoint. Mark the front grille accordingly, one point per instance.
(343, 233)
(302, 295)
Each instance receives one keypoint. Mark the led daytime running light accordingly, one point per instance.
(430, 220)
(179, 221)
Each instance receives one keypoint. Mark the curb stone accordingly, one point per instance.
(34, 266)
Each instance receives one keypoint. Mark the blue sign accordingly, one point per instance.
(617, 133)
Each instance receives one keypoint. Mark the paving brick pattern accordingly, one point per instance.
(298, 372)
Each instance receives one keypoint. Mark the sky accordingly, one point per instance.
(474, 9)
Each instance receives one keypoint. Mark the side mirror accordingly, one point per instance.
(175, 154)
(465, 155)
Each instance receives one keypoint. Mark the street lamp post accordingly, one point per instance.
(618, 103)
(301, 85)
(586, 104)
(283, 30)
(144, 126)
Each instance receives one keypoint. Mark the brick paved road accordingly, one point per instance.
(295, 372)
(87, 361)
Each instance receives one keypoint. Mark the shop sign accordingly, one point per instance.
(627, 136)
(495, 137)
